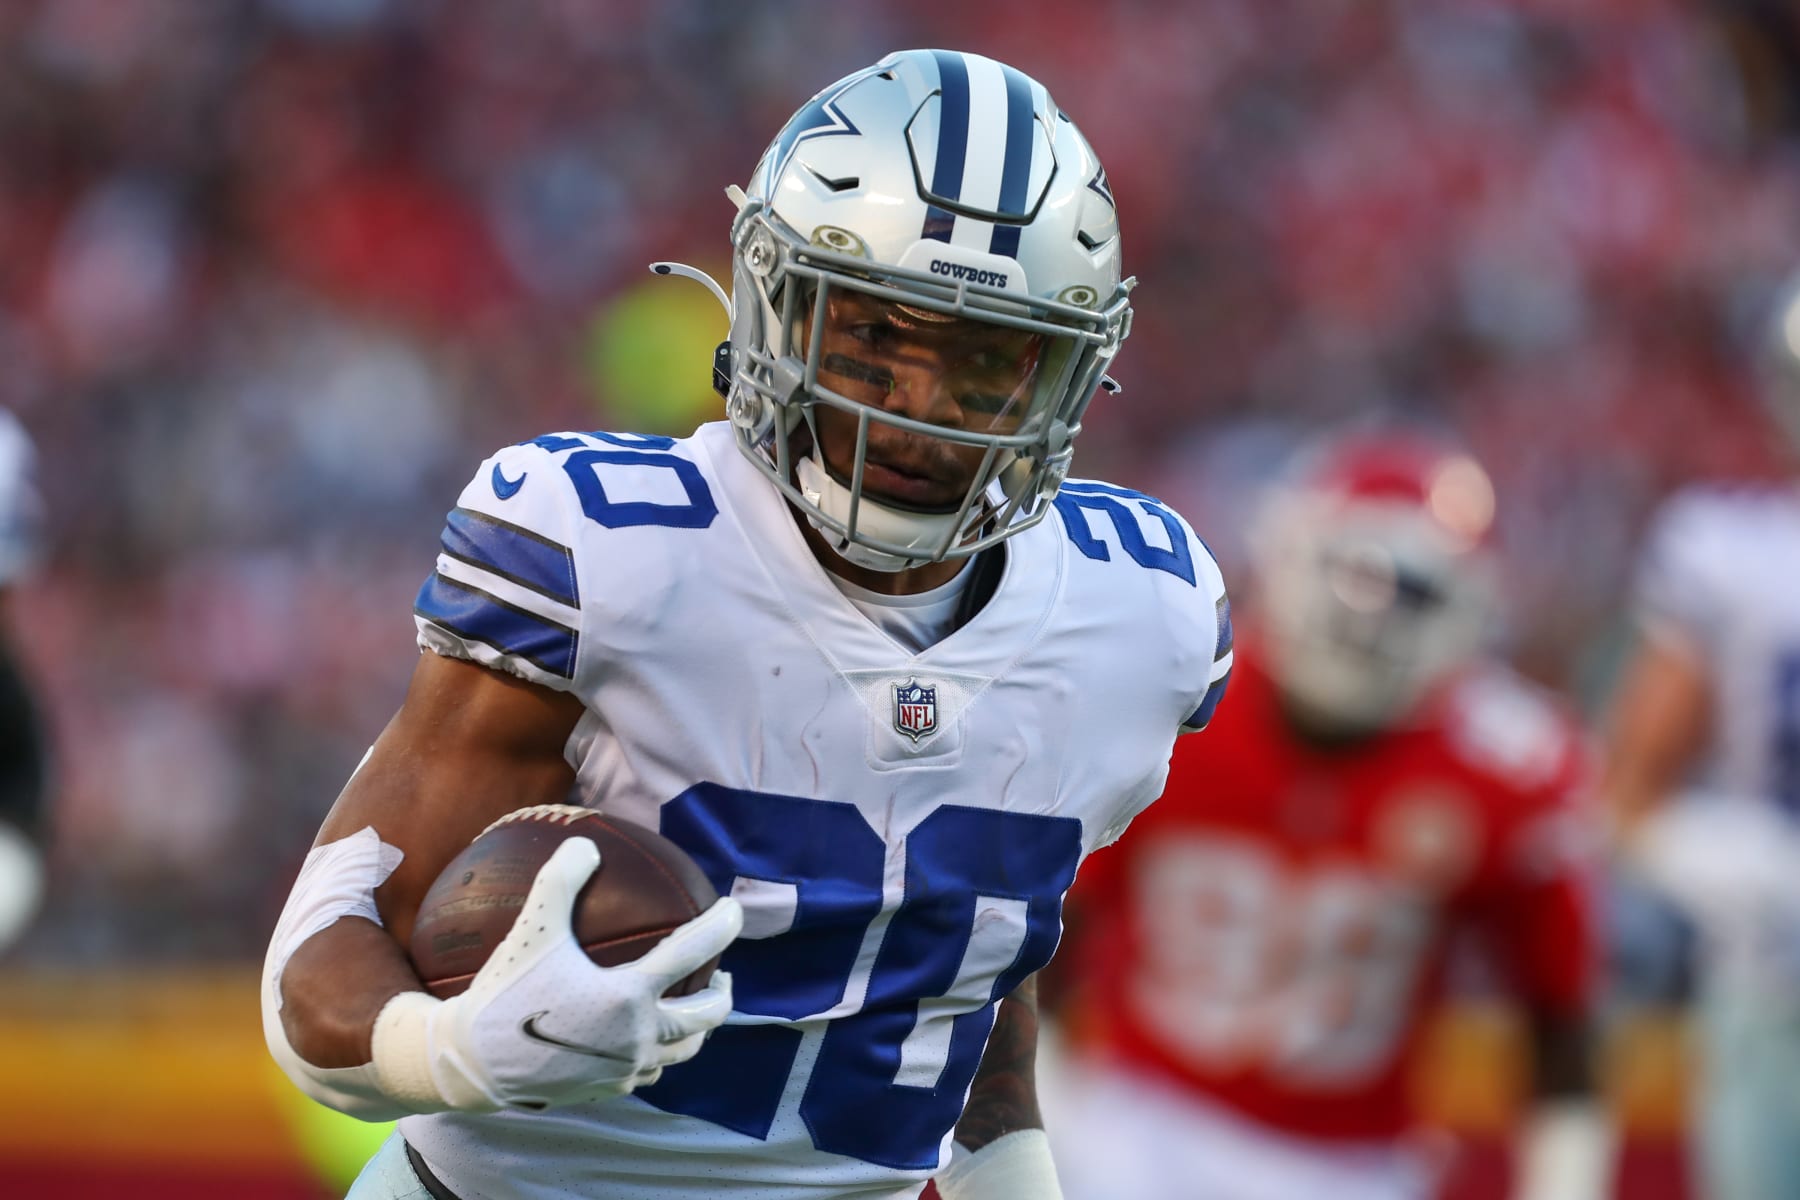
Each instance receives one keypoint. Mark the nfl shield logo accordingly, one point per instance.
(915, 709)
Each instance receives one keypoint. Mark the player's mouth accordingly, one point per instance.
(913, 485)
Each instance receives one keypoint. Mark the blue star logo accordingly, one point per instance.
(1102, 187)
(820, 118)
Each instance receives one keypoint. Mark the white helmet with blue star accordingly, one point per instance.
(946, 187)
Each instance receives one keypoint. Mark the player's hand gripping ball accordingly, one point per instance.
(646, 886)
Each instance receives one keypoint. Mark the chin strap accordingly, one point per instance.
(919, 532)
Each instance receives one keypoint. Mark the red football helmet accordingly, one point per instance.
(1374, 579)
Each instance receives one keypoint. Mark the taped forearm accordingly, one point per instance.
(337, 880)
(1003, 1095)
(353, 1091)
(412, 1069)
(1000, 1150)
(1009, 1168)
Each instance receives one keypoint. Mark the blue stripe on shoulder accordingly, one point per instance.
(1208, 704)
(1106, 489)
(512, 552)
(479, 617)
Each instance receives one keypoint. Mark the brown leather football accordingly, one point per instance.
(645, 886)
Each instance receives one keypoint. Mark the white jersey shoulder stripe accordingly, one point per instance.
(512, 552)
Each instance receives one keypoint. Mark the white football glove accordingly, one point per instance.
(541, 1025)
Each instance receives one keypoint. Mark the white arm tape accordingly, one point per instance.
(1565, 1152)
(404, 1053)
(337, 880)
(1014, 1167)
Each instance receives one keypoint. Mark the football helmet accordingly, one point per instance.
(947, 191)
(1374, 577)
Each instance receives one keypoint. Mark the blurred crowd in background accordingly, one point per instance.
(276, 274)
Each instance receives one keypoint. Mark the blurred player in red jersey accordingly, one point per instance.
(1259, 954)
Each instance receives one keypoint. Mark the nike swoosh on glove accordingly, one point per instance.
(541, 1025)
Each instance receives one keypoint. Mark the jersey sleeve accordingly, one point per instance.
(1677, 588)
(1208, 576)
(1182, 615)
(505, 592)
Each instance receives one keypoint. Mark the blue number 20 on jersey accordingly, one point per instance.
(871, 1093)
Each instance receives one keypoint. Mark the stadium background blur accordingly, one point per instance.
(275, 274)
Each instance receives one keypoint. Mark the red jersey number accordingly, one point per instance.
(1249, 964)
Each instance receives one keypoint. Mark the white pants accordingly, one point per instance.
(388, 1176)
(1749, 1095)
(1122, 1137)
(1733, 864)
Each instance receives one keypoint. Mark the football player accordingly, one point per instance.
(1260, 952)
(22, 750)
(1703, 784)
(863, 650)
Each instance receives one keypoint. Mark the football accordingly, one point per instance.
(645, 886)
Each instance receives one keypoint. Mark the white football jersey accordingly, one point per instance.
(1721, 574)
(1719, 578)
(900, 827)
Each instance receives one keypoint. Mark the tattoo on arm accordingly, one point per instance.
(1003, 1098)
